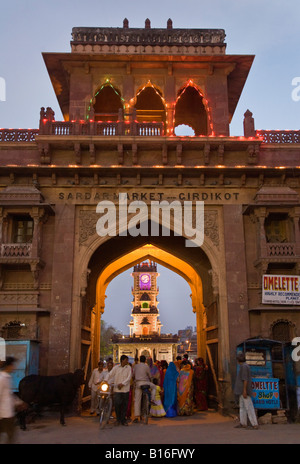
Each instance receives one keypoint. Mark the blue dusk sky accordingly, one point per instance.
(268, 29)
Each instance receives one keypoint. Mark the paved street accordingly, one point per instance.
(201, 428)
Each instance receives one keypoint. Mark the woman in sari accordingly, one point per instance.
(159, 367)
(185, 390)
(164, 367)
(178, 362)
(155, 374)
(170, 390)
(200, 384)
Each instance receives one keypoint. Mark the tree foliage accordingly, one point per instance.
(106, 347)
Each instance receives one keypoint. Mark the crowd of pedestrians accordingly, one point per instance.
(177, 388)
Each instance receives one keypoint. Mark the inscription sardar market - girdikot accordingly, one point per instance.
(149, 196)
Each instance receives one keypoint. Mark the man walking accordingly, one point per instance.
(243, 389)
(96, 378)
(8, 401)
(120, 376)
(142, 376)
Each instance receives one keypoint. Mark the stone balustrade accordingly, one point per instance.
(279, 136)
(121, 128)
(101, 128)
(281, 249)
(18, 135)
(12, 250)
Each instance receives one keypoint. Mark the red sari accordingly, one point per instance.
(200, 385)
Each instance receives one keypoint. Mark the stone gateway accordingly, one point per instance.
(124, 94)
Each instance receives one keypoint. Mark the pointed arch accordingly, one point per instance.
(192, 109)
(149, 104)
(107, 103)
(104, 258)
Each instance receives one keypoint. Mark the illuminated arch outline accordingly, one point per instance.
(107, 83)
(190, 83)
(132, 101)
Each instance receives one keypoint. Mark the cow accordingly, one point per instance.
(41, 390)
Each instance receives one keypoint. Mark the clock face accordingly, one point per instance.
(145, 278)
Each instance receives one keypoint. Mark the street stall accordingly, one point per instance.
(268, 362)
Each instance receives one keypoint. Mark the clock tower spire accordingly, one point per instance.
(145, 314)
(145, 336)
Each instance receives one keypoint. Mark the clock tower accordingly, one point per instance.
(145, 336)
(145, 315)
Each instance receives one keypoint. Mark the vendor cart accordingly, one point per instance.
(269, 365)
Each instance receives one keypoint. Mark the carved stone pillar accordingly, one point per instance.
(1, 276)
(1, 225)
(214, 282)
(4, 229)
(37, 215)
(84, 282)
(96, 334)
(295, 216)
(34, 267)
(261, 214)
(169, 129)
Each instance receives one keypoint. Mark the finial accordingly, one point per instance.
(125, 23)
(170, 24)
(147, 24)
(249, 126)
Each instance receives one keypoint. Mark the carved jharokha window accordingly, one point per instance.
(149, 105)
(278, 228)
(107, 103)
(190, 110)
(22, 229)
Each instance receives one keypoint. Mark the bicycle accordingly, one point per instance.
(145, 402)
(104, 393)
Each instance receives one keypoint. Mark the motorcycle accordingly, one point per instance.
(104, 393)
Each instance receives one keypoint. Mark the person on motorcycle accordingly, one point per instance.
(142, 376)
(109, 366)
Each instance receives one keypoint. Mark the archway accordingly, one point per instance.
(105, 258)
(149, 105)
(190, 110)
(169, 312)
(168, 260)
(107, 103)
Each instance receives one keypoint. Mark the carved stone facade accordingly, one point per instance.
(148, 40)
(123, 94)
